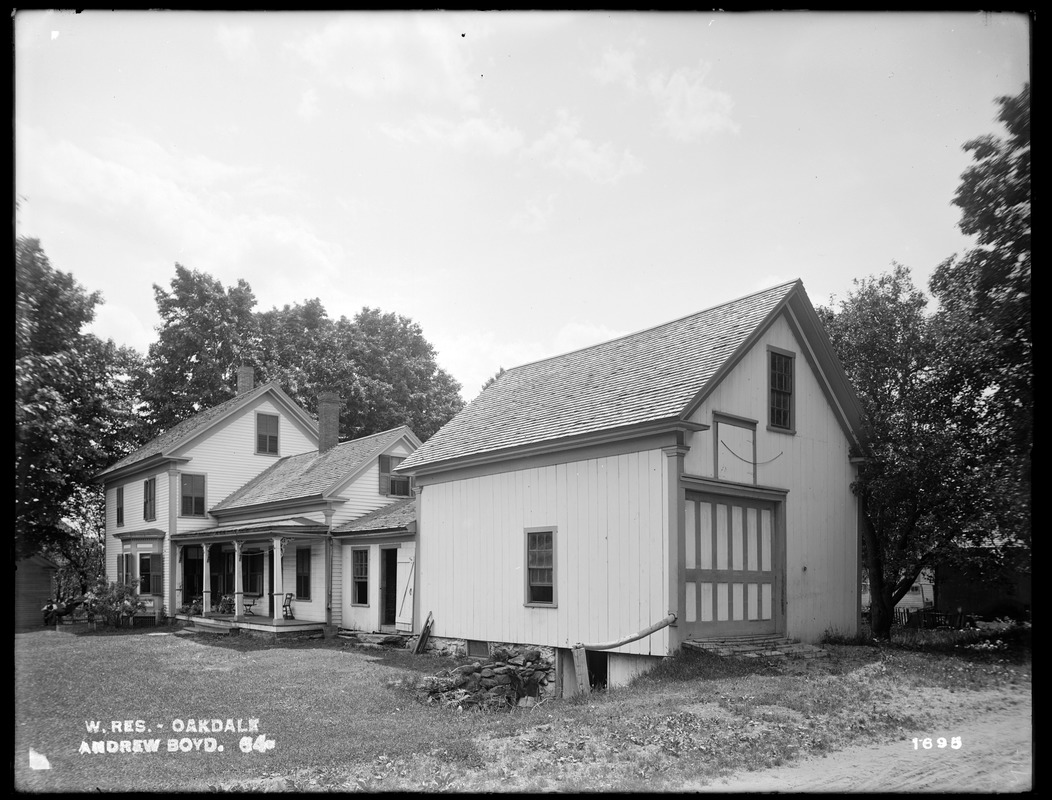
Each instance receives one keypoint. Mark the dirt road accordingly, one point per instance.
(995, 755)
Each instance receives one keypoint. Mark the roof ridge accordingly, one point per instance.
(655, 327)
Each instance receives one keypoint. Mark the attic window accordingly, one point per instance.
(781, 390)
(267, 433)
(390, 484)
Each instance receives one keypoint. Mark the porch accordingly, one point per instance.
(255, 623)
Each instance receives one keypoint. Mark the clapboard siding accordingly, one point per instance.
(813, 465)
(611, 552)
(228, 458)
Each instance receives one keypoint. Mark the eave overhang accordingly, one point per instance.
(155, 463)
(402, 532)
(675, 425)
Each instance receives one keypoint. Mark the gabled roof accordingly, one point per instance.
(167, 443)
(657, 375)
(312, 475)
(398, 516)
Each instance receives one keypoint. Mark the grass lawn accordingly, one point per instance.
(347, 719)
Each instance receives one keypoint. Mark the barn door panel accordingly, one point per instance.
(733, 566)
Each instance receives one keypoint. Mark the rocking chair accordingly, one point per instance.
(286, 607)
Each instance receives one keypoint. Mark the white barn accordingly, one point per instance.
(701, 468)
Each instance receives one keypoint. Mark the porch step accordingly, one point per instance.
(757, 646)
(223, 629)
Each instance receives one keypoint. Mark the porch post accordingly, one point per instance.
(278, 589)
(177, 578)
(206, 582)
(239, 589)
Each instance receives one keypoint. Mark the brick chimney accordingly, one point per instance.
(328, 420)
(246, 379)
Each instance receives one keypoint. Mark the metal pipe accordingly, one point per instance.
(645, 632)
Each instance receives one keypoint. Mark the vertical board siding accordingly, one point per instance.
(611, 552)
(812, 464)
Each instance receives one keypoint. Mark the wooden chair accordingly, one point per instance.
(286, 607)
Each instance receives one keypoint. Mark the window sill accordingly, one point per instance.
(541, 605)
(786, 431)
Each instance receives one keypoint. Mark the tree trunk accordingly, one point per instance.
(880, 617)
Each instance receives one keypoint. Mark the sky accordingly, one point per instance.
(519, 184)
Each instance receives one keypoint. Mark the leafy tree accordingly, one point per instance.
(985, 315)
(71, 401)
(379, 363)
(205, 332)
(397, 380)
(921, 485)
(301, 348)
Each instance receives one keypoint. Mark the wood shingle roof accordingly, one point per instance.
(640, 378)
(310, 474)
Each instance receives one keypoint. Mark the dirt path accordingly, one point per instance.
(996, 755)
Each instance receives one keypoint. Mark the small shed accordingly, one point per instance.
(34, 588)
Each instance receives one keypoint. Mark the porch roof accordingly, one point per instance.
(289, 526)
(398, 517)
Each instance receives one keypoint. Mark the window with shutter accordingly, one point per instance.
(390, 484)
(151, 578)
(120, 505)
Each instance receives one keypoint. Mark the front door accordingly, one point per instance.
(735, 565)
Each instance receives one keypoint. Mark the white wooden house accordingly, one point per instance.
(232, 511)
(701, 468)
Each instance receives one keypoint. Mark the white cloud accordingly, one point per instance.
(690, 109)
(535, 216)
(381, 55)
(617, 66)
(308, 107)
(471, 134)
(564, 149)
(235, 40)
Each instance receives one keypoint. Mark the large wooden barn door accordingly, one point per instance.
(734, 576)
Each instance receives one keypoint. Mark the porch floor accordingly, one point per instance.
(767, 646)
(229, 623)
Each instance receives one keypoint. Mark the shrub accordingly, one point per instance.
(113, 603)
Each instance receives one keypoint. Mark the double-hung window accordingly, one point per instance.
(193, 495)
(267, 433)
(780, 385)
(149, 499)
(120, 505)
(540, 567)
(360, 577)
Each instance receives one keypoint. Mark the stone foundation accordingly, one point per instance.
(513, 675)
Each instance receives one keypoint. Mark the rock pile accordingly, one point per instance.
(503, 681)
